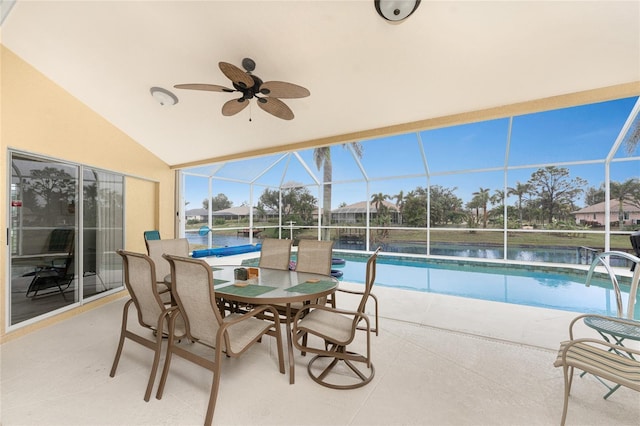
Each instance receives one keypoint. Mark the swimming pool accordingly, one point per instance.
(540, 286)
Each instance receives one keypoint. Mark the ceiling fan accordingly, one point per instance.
(267, 93)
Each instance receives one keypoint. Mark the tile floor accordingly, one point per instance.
(439, 360)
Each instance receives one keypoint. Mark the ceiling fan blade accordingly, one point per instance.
(234, 106)
(276, 107)
(207, 87)
(236, 75)
(281, 89)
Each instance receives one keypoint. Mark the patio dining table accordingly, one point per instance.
(272, 286)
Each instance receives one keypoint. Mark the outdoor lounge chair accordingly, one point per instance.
(56, 267)
(337, 328)
(601, 358)
(59, 274)
(275, 254)
(194, 294)
(153, 314)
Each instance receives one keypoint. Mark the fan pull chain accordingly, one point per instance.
(250, 112)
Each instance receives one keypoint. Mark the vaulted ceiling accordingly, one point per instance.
(364, 73)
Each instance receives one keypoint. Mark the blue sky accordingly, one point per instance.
(577, 134)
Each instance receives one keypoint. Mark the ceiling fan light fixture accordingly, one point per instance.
(163, 96)
(396, 10)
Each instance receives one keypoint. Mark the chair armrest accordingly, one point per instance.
(604, 317)
(314, 306)
(251, 314)
(350, 291)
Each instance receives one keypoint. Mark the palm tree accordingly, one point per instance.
(322, 158)
(633, 136)
(521, 190)
(399, 197)
(482, 196)
(627, 191)
(377, 200)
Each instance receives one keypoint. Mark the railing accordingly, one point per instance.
(602, 258)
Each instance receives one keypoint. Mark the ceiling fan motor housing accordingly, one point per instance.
(249, 92)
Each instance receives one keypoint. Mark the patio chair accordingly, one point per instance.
(151, 235)
(635, 244)
(153, 314)
(314, 256)
(155, 250)
(233, 335)
(337, 328)
(606, 360)
(275, 254)
(359, 292)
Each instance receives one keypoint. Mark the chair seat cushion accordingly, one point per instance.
(602, 363)
(244, 332)
(328, 324)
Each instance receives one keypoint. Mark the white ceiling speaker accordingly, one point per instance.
(396, 10)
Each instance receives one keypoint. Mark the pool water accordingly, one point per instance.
(541, 287)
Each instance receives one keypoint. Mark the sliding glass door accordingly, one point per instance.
(62, 240)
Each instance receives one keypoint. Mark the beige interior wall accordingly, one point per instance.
(140, 194)
(39, 117)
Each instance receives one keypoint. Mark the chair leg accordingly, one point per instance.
(214, 387)
(156, 357)
(167, 361)
(123, 329)
(567, 388)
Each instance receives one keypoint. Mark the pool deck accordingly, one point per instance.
(440, 360)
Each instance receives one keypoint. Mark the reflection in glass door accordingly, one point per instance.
(43, 235)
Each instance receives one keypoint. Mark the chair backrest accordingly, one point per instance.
(60, 241)
(156, 248)
(275, 254)
(370, 278)
(314, 256)
(635, 242)
(140, 280)
(192, 289)
(152, 235)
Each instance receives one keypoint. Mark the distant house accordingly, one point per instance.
(594, 215)
(198, 215)
(357, 212)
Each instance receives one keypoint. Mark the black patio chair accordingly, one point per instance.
(635, 244)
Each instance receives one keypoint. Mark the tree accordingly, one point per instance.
(53, 190)
(554, 189)
(445, 205)
(298, 204)
(415, 207)
(377, 200)
(482, 198)
(219, 202)
(521, 190)
(399, 197)
(497, 199)
(633, 136)
(627, 191)
(594, 195)
(322, 158)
